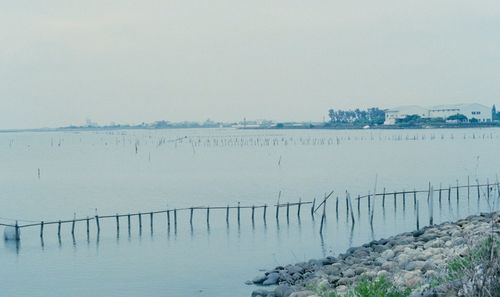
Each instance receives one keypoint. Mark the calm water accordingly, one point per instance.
(134, 170)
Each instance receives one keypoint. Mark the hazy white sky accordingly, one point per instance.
(63, 61)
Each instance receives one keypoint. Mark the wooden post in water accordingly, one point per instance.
(414, 199)
(253, 214)
(418, 223)
(277, 209)
(168, 219)
(449, 194)
(191, 216)
(468, 188)
(369, 203)
(350, 203)
(359, 204)
(264, 213)
(404, 200)
(323, 216)
(337, 206)
(298, 207)
(73, 225)
(117, 224)
(175, 218)
(488, 189)
(151, 221)
(383, 199)
(238, 212)
(17, 231)
(431, 205)
(458, 192)
(478, 191)
(227, 215)
(287, 211)
(58, 229)
(88, 226)
(346, 207)
(440, 189)
(208, 216)
(97, 224)
(41, 229)
(395, 204)
(312, 207)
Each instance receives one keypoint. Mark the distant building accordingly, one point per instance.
(391, 115)
(475, 111)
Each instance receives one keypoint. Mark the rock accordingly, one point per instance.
(411, 279)
(388, 254)
(417, 233)
(359, 270)
(260, 293)
(414, 265)
(379, 248)
(383, 273)
(259, 279)
(434, 243)
(283, 291)
(348, 273)
(389, 266)
(341, 289)
(344, 281)
(271, 279)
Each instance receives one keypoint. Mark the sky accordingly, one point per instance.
(65, 61)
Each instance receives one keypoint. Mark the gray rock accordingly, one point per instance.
(414, 265)
(283, 291)
(259, 279)
(260, 293)
(388, 254)
(271, 279)
(348, 273)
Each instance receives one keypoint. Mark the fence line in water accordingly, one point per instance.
(490, 188)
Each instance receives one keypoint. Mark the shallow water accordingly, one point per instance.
(143, 170)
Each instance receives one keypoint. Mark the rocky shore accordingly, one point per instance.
(408, 260)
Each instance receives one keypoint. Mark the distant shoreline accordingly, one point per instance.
(303, 126)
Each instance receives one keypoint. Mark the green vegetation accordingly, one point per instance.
(479, 269)
(381, 287)
(357, 117)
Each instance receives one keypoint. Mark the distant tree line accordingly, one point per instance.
(370, 116)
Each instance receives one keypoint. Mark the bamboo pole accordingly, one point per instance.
(238, 212)
(350, 203)
(431, 205)
(175, 218)
(264, 212)
(383, 199)
(97, 224)
(168, 219)
(418, 223)
(41, 229)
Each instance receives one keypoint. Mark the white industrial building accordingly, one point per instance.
(471, 111)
